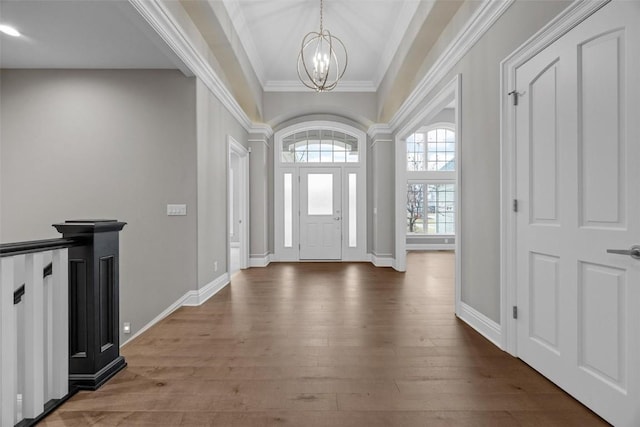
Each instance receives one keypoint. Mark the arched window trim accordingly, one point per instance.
(358, 136)
(431, 174)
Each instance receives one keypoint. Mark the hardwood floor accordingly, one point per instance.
(324, 344)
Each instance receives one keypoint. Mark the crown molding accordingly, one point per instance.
(486, 15)
(297, 86)
(165, 24)
(261, 131)
(377, 130)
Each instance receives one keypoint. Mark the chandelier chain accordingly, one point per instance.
(321, 4)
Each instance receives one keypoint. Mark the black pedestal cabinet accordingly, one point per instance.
(94, 343)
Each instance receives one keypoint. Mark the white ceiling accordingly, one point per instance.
(112, 34)
(81, 34)
(271, 32)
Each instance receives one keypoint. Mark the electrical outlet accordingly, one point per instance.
(215, 266)
(126, 327)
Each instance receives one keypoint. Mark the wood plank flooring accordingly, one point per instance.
(324, 344)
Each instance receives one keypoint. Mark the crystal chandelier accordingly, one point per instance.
(320, 59)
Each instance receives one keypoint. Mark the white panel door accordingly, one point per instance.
(320, 214)
(578, 171)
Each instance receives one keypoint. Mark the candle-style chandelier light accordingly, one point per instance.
(322, 60)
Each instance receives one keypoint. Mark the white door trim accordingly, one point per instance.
(291, 254)
(577, 12)
(450, 92)
(242, 186)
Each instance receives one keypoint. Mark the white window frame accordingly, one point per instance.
(434, 177)
(357, 253)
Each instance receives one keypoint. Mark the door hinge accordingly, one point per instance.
(515, 205)
(515, 311)
(515, 96)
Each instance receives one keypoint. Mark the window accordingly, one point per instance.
(288, 210)
(431, 163)
(433, 150)
(431, 208)
(320, 146)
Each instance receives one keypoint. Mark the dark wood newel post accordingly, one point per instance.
(94, 342)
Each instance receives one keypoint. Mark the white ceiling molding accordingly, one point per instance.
(486, 15)
(162, 21)
(377, 130)
(297, 86)
(260, 130)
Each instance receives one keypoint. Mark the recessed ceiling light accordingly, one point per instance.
(10, 31)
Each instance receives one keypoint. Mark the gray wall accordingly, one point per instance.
(383, 193)
(260, 193)
(105, 144)
(480, 166)
(280, 107)
(214, 124)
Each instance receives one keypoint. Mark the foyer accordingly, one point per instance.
(324, 344)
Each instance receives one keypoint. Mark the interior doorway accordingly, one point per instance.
(428, 189)
(238, 206)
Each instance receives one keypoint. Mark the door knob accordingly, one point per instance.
(337, 218)
(634, 252)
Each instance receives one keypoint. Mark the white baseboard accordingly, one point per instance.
(382, 260)
(196, 298)
(481, 323)
(190, 299)
(259, 260)
(430, 246)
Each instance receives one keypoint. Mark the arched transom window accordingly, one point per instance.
(320, 146)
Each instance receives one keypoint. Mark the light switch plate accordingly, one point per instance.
(176, 210)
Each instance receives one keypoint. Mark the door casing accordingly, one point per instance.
(242, 191)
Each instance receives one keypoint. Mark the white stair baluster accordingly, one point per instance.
(33, 397)
(8, 343)
(48, 338)
(60, 349)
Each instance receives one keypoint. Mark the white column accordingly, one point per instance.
(8, 343)
(60, 345)
(33, 398)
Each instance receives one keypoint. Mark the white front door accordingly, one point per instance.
(578, 171)
(320, 214)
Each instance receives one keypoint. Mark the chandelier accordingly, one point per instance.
(320, 58)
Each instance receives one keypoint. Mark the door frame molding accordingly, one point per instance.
(349, 254)
(234, 147)
(573, 15)
(452, 91)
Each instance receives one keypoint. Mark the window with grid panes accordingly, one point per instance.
(430, 189)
